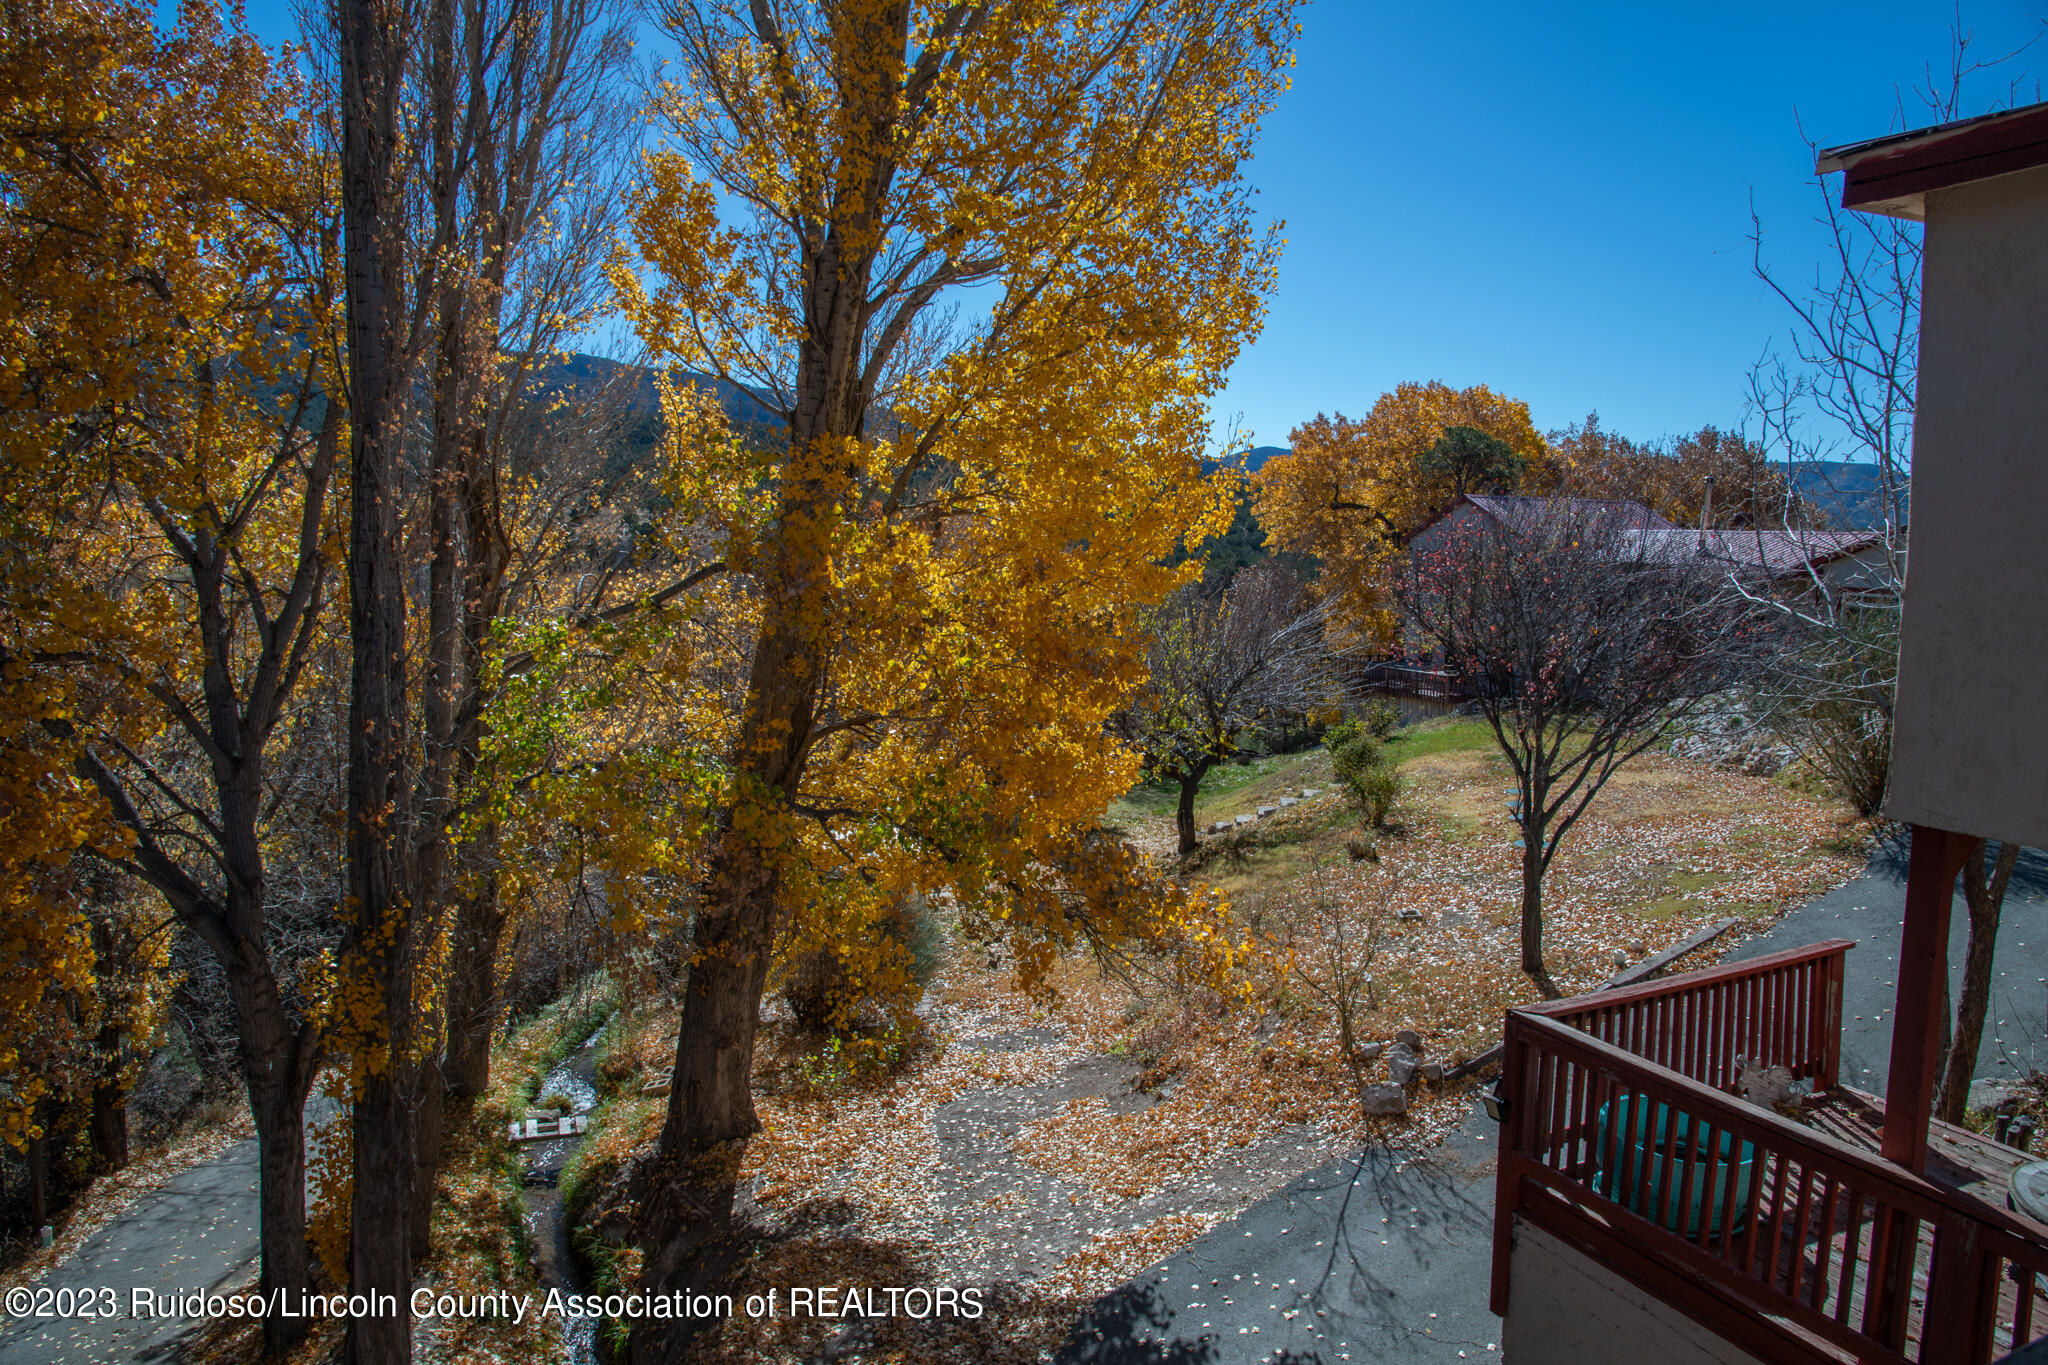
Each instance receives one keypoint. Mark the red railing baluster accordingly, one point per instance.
(1824, 1246)
(1802, 1219)
(2022, 1309)
(1726, 1075)
(1852, 1256)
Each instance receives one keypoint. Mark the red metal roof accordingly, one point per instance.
(1611, 511)
(1776, 553)
(1893, 174)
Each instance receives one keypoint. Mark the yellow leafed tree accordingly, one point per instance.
(985, 263)
(168, 439)
(1353, 491)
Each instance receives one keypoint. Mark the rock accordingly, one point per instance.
(1368, 1052)
(1382, 1100)
(1401, 1067)
(1620, 958)
(1244, 819)
(1433, 1072)
(1265, 811)
(1287, 801)
(1639, 949)
(1408, 912)
(1726, 733)
(1310, 793)
(1410, 1039)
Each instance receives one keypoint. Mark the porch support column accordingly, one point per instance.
(1937, 856)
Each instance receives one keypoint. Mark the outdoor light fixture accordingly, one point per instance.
(1496, 1099)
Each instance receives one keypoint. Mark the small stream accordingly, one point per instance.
(576, 1078)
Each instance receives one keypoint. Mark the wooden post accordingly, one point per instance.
(1507, 1157)
(1936, 857)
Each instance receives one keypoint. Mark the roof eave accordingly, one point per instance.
(1892, 175)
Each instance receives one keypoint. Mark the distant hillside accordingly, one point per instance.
(580, 373)
(1845, 491)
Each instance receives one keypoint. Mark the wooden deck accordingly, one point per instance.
(1789, 1236)
(1959, 1160)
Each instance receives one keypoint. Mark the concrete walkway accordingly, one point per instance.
(1381, 1257)
(1871, 910)
(197, 1232)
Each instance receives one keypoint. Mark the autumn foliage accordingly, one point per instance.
(1353, 491)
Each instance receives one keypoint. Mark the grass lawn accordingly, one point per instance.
(1450, 735)
(1228, 788)
(1234, 788)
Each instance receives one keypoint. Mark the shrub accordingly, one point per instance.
(1353, 752)
(1359, 760)
(1840, 721)
(1378, 789)
(1362, 850)
(822, 993)
(1379, 717)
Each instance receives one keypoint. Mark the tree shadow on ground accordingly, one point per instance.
(1126, 1327)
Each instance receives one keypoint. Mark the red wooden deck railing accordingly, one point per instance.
(1781, 1010)
(1620, 1137)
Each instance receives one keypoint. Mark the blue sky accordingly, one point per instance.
(1555, 200)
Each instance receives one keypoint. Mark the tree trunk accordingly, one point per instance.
(688, 1236)
(429, 1099)
(109, 1122)
(473, 984)
(380, 1259)
(688, 1233)
(277, 1059)
(286, 1271)
(39, 1169)
(1184, 816)
(376, 953)
(109, 1126)
(1985, 896)
(1532, 908)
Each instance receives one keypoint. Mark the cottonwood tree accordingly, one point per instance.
(519, 464)
(171, 432)
(386, 334)
(483, 142)
(1353, 491)
(521, 169)
(1218, 664)
(941, 559)
(1584, 648)
(1708, 477)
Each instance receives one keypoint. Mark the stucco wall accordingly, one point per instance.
(1565, 1309)
(1970, 752)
